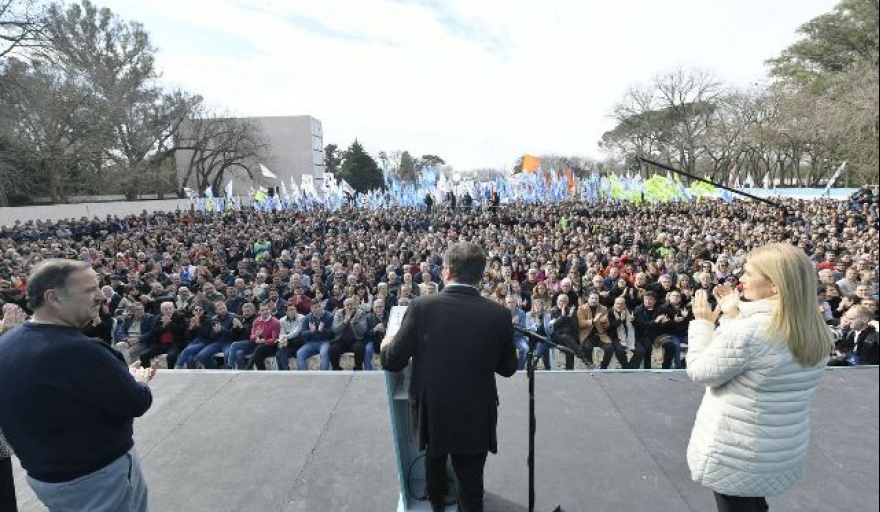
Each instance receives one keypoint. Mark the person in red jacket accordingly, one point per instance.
(264, 331)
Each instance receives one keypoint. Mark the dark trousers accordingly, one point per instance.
(7, 486)
(567, 340)
(258, 358)
(642, 352)
(337, 348)
(608, 349)
(172, 349)
(468, 471)
(740, 504)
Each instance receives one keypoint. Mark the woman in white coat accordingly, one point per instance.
(760, 367)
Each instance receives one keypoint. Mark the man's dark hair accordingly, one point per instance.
(855, 299)
(650, 293)
(466, 261)
(48, 275)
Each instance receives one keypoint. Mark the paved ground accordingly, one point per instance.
(615, 441)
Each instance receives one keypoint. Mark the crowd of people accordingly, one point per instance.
(239, 289)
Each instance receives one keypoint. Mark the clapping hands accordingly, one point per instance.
(141, 374)
(727, 299)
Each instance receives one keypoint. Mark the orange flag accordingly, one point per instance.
(530, 163)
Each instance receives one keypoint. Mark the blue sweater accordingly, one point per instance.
(67, 402)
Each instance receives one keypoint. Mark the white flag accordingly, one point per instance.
(329, 182)
(308, 185)
(267, 173)
(837, 174)
(766, 181)
(346, 188)
(190, 193)
(229, 190)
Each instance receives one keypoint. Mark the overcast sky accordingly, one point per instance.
(477, 82)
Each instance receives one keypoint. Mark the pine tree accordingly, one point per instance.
(359, 169)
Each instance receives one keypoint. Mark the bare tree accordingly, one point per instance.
(20, 25)
(213, 146)
(668, 119)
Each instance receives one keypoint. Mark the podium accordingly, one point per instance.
(410, 460)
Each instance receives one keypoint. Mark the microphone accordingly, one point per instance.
(531, 334)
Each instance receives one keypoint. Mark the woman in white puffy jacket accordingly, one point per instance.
(760, 367)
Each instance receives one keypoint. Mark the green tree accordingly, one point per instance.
(332, 158)
(54, 122)
(833, 43)
(359, 169)
(85, 108)
(117, 60)
(830, 80)
(431, 160)
(408, 170)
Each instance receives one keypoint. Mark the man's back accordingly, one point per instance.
(458, 341)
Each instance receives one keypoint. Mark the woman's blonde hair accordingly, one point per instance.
(796, 319)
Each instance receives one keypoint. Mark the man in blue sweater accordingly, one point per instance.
(69, 401)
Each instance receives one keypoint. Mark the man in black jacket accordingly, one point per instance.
(859, 345)
(168, 336)
(647, 328)
(458, 340)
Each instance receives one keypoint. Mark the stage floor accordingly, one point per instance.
(606, 441)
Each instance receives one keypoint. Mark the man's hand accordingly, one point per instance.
(387, 340)
(140, 374)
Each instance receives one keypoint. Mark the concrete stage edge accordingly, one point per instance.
(606, 441)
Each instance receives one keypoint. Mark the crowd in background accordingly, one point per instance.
(248, 287)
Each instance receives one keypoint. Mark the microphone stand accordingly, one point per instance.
(531, 361)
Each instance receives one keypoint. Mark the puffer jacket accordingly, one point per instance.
(751, 433)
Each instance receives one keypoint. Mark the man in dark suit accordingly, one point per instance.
(859, 345)
(457, 340)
